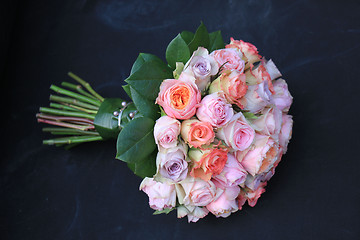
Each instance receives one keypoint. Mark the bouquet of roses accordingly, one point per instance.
(205, 130)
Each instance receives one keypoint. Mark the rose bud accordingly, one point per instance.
(207, 162)
(230, 59)
(233, 84)
(215, 110)
(282, 97)
(237, 134)
(202, 66)
(166, 132)
(269, 123)
(193, 213)
(261, 157)
(233, 173)
(249, 51)
(197, 192)
(258, 97)
(226, 203)
(286, 131)
(161, 195)
(179, 98)
(172, 165)
(197, 133)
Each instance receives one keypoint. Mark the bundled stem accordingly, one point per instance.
(72, 113)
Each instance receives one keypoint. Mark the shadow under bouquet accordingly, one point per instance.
(205, 129)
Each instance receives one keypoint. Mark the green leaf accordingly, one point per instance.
(187, 36)
(146, 107)
(136, 141)
(148, 78)
(250, 116)
(216, 41)
(177, 51)
(146, 167)
(127, 89)
(141, 59)
(201, 39)
(165, 210)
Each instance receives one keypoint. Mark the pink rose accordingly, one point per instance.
(229, 58)
(179, 98)
(286, 131)
(161, 195)
(282, 97)
(233, 173)
(192, 212)
(249, 51)
(197, 192)
(215, 109)
(233, 84)
(258, 97)
(197, 133)
(166, 132)
(261, 157)
(253, 182)
(172, 165)
(226, 203)
(202, 66)
(269, 123)
(271, 69)
(207, 162)
(237, 134)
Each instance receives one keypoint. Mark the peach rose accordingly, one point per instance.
(233, 84)
(226, 203)
(282, 97)
(249, 51)
(179, 98)
(233, 173)
(259, 75)
(161, 195)
(229, 58)
(166, 132)
(286, 131)
(202, 66)
(215, 110)
(261, 157)
(197, 192)
(237, 134)
(197, 133)
(171, 164)
(207, 162)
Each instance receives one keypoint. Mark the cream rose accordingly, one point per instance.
(166, 132)
(233, 84)
(249, 51)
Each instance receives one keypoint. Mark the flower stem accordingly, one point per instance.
(72, 101)
(67, 125)
(66, 113)
(68, 119)
(77, 88)
(86, 85)
(70, 140)
(75, 95)
(67, 131)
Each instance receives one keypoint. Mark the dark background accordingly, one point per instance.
(84, 193)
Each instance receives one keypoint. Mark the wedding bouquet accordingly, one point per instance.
(205, 130)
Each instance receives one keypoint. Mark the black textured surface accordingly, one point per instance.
(50, 193)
